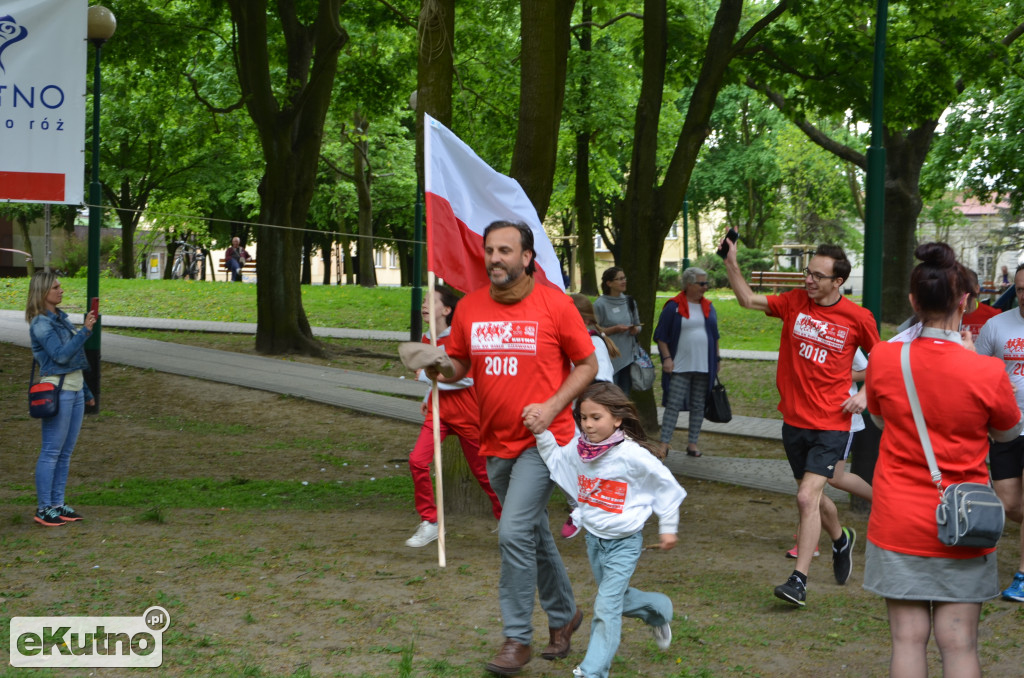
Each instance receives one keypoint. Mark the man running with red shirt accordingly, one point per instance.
(517, 340)
(821, 331)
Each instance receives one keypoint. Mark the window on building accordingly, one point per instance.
(673, 232)
(599, 244)
(378, 258)
(393, 259)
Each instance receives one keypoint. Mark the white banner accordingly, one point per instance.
(42, 100)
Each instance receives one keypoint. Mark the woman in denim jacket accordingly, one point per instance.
(58, 349)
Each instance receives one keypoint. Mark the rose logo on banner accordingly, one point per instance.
(10, 33)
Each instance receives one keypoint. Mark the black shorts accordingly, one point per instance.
(1007, 459)
(814, 451)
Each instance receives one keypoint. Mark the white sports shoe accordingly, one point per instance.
(425, 533)
(578, 672)
(662, 636)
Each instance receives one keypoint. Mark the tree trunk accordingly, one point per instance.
(584, 210)
(544, 36)
(436, 33)
(365, 244)
(291, 132)
(326, 253)
(648, 210)
(905, 154)
(306, 278)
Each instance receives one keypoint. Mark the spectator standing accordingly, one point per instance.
(821, 331)
(617, 313)
(518, 340)
(1003, 337)
(687, 337)
(458, 413)
(59, 350)
(927, 585)
(235, 259)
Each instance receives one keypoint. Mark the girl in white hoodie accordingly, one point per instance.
(618, 484)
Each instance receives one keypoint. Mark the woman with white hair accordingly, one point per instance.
(687, 336)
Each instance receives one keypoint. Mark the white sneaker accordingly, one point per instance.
(662, 636)
(578, 673)
(425, 533)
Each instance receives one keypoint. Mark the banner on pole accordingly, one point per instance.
(463, 196)
(42, 100)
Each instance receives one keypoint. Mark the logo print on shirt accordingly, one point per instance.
(607, 495)
(504, 336)
(1013, 349)
(821, 332)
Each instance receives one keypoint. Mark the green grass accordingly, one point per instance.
(155, 495)
(380, 308)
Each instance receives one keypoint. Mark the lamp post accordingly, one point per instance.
(415, 316)
(102, 25)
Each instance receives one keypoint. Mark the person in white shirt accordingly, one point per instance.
(1003, 337)
(618, 484)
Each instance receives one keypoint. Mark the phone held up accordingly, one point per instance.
(723, 249)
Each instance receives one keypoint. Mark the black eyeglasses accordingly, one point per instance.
(618, 280)
(818, 276)
(702, 284)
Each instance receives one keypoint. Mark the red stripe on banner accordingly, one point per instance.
(454, 252)
(31, 186)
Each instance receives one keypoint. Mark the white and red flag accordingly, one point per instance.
(463, 196)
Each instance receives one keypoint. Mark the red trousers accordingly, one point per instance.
(419, 465)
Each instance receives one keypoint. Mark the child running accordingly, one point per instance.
(458, 415)
(618, 483)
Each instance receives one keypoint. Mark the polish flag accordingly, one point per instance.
(463, 196)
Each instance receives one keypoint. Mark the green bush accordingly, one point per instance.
(669, 280)
(76, 256)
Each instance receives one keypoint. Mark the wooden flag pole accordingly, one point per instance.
(435, 413)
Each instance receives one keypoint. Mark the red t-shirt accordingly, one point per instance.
(518, 354)
(974, 320)
(816, 358)
(962, 395)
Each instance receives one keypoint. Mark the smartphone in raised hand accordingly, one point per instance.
(723, 249)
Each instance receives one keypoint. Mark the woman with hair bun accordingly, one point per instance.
(964, 397)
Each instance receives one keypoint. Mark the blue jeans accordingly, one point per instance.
(236, 269)
(613, 562)
(529, 558)
(60, 433)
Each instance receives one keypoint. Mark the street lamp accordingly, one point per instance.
(102, 25)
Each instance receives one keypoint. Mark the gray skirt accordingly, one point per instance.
(947, 580)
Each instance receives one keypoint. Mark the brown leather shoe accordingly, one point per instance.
(560, 638)
(511, 658)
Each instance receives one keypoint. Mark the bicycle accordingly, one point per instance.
(189, 261)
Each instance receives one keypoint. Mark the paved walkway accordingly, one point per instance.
(392, 397)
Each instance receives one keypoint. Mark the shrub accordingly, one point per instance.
(669, 280)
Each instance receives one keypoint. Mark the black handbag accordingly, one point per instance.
(44, 397)
(717, 408)
(968, 514)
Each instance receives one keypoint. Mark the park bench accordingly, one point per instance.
(248, 267)
(776, 280)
